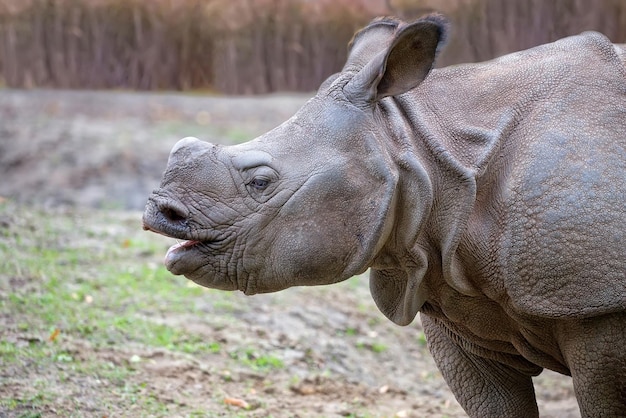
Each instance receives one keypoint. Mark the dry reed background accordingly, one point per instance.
(253, 46)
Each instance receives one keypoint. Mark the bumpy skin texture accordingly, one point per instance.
(489, 197)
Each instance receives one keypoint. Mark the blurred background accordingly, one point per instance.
(93, 93)
(253, 46)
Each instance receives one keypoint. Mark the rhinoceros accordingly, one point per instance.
(489, 197)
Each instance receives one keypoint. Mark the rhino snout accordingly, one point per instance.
(167, 217)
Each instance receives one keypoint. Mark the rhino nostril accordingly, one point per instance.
(173, 215)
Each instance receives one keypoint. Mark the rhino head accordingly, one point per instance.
(316, 200)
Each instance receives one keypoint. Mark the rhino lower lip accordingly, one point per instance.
(177, 249)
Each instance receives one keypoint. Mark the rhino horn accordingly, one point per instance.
(400, 66)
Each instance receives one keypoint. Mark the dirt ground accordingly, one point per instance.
(96, 152)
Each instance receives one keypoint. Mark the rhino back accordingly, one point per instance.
(563, 252)
(564, 242)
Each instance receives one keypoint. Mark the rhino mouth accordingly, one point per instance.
(188, 257)
(179, 258)
(177, 251)
(183, 246)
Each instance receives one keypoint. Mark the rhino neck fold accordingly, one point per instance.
(439, 160)
(399, 268)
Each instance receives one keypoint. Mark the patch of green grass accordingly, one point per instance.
(378, 347)
(68, 279)
(421, 339)
(351, 332)
(124, 328)
(80, 308)
(25, 407)
(256, 361)
(8, 351)
(373, 347)
(214, 347)
(91, 292)
(374, 321)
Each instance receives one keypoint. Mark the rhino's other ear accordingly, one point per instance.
(403, 65)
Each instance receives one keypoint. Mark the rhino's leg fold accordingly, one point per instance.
(595, 351)
(485, 388)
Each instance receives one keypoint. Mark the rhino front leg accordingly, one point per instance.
(595, 351)
(484, 388)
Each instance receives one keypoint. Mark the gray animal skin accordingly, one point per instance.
(489, 197)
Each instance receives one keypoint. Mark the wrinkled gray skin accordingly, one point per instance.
(489, 197)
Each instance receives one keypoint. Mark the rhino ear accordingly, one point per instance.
(403, 65)
(370, 41)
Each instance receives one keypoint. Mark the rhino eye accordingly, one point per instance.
(259, 184)
(259, 179)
